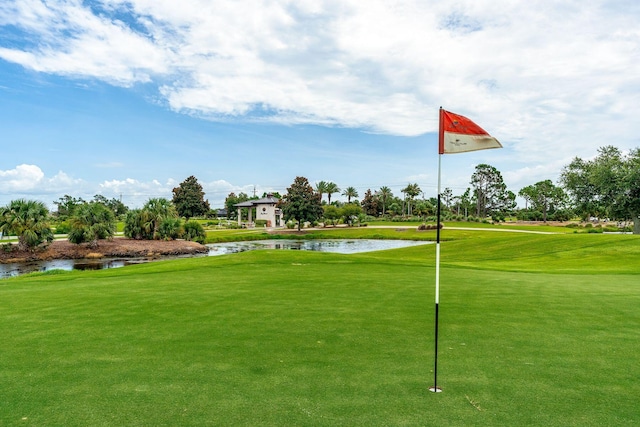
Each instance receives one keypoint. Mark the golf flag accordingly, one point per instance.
(458, 134)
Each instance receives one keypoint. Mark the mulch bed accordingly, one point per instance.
(114, 248)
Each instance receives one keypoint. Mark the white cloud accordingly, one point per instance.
(62, 181)
(135, 193)
(20, 179)
(29, 181)
(548, 79)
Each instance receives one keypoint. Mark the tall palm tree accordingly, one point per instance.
(385, 194)
(411, 191)
(330, 189)
(27, 219)
(321, 188)
(350, 192)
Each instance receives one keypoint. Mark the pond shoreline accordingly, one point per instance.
(113, 248)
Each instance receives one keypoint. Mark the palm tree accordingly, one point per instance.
(350, 192)
(159, 210)
(411, 191)
(385, 194)
(321, 188)
(28, 220)
(330, 189)
(91, 222)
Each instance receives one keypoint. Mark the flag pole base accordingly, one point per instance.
(435, 389)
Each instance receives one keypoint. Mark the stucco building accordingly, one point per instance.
(263, 209)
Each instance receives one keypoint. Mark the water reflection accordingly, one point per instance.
(215, 249)
(325, 245)
(19, 268)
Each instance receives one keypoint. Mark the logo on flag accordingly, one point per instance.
(458, 134)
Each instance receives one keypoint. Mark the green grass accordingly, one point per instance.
(535, 330)
(381, 230)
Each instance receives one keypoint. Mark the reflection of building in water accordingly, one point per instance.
(265, 209)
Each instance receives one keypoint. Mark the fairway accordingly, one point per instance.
(534, 330)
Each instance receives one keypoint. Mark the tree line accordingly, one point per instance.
(605, 187)
(90, 221)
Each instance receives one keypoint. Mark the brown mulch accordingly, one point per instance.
(114, 248)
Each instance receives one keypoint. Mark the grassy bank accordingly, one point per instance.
(535, 330)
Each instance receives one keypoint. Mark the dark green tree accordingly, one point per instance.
(66, 206)
(301, 203)
(631, 180)
(27, 219)
(606, 186)
(116, 205)
(490, 192)
(188, 199)
(231, 201)
(544, 196)
(370, 203)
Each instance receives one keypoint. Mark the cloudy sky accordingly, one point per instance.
(127, 98)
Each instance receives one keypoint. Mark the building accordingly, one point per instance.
(265, 209)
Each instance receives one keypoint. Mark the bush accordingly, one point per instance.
(424, 227)
(170, 228)
(194, 231)
(63, 228)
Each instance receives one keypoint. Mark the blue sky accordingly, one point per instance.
(127, 98)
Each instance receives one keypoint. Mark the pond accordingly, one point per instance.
(321, 245)
(215, 249)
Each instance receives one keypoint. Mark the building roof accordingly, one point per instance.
(269, 200)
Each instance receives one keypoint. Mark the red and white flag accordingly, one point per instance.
(458, 134)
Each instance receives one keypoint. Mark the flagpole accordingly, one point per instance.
(468, 136)
(435, 387)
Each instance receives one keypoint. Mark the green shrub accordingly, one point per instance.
(194, 231)
(63, 228)
(170, 228)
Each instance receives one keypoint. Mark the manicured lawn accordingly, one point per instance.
(535, 330)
